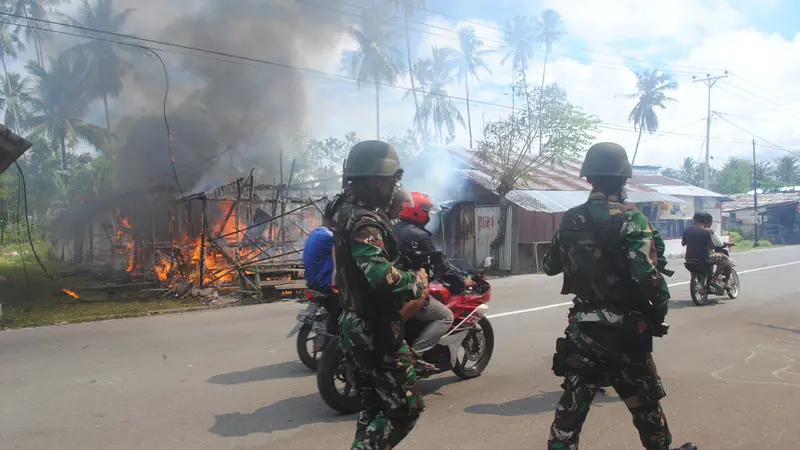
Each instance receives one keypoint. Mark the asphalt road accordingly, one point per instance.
(229, 379)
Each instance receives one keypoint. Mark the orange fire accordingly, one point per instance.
(217, 267)
(124, 239)
(70, 293)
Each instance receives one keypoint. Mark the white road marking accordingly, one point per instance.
(557, 305)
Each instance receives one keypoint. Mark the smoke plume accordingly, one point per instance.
(226, 116)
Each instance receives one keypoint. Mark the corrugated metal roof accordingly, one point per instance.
(744, 202)
(565, 178)
(561, 201)
(685, 190)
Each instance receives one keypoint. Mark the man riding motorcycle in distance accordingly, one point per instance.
(723, 261)
(376, 297)
(413, 236)
(698, 242)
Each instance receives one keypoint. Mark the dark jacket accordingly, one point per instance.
(411, 236)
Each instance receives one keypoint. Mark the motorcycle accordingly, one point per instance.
(471, 330)
(313, 326)
(702, 283)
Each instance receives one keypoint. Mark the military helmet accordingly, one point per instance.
(372, 159)
(606, 159)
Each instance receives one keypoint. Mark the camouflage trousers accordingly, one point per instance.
(596, 355)
(390, 398)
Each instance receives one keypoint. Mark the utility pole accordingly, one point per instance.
(755, 197)
(710, 82)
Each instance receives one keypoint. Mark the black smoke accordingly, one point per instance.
(226, 115)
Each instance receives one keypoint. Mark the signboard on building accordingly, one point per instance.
(676, 211)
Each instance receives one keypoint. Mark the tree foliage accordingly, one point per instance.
(509, 148)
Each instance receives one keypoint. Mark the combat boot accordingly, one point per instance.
(686, 446)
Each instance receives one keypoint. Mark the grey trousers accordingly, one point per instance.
(438, 319)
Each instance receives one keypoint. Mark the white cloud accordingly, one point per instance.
(603, 22)
(714, 34)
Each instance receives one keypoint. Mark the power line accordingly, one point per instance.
(764, 90)
(775, 146)
(571, 58)
(722, 88)
(766, 100)
(229, 55)
(762, 119)
(664, 133)
(238, 59)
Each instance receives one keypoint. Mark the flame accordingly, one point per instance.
(70, 293)
(233, 246)
(162, 268)
(124, 239)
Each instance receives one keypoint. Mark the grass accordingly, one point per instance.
(39, 301)
(743, 245)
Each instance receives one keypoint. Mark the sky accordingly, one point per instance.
(756, 41)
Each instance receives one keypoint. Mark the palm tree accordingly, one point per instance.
(16, 94)
(549, 30)
(471, 57)
(377, 60)
(408, 6)
(787, 170)
(652, 86)
(422, 71)
(33, 11)
(437, 106)
(520, 46)
(106, 66)
(9, 44)
(59, 103)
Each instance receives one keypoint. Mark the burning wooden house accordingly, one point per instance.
(240, 236)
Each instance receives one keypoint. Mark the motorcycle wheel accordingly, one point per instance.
(733, 291)
(304, 336)
(485, 340)
(698, 291)
(331, 369)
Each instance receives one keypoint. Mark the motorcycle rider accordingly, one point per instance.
(609, 259)
(413, 236)
(698, 242)
(377, 297)
(723, 261)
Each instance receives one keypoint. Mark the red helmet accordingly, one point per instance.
(418, 209)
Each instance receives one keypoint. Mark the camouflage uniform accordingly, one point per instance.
(608, 253)
(370, 329)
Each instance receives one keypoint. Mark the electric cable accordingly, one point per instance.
(19, 230)
(30, 239)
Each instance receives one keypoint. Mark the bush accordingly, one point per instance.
(736, 237)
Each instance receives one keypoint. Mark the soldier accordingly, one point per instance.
(377, 297)
(608, 254)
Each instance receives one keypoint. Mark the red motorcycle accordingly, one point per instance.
(471, 331)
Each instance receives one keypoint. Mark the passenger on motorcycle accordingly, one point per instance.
(318, 264)
(698, 242)
(412, 235)
(723, 261)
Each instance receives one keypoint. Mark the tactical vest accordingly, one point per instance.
(382, 310)
(596, 266)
